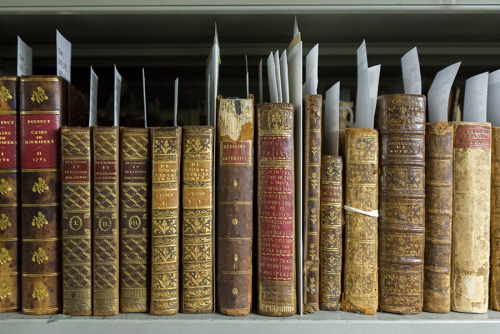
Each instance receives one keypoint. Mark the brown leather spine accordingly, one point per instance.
(360, 292)
(470, 252)
(10, 229)
(234, 224)
(76, 220)
(166, 172)
(275, 208)
(197, 220)
(331, 218)
(401, 122)
(495, 220)
(106, 170)
(312, 169)
(438, 213)
(134, 219)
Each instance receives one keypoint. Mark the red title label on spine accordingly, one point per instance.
(472, 136)
(105, 171)
(76, 170)
(8, 141)
(40, 141)
(237, 153)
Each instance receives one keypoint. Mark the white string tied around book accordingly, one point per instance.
(373, 213)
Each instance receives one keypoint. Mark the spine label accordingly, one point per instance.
(472, 136)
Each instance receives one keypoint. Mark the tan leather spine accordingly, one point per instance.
(495, 220)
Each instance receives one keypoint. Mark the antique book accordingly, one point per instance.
(165, 239)
(134, 219)
(495, 220)
(311, 193)
(331, 218)
(197, 220)
(276, 278)
(76, 220)
(10, 228)
(105, 264)
(438, 213)
(234, 220)
(401, 122)
(360, 293)
(470, 250)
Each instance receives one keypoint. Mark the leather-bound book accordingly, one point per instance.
(495, 220)
(165, 240)
(470, 252)
(438, 213)
(312, 169)
(360, 293)
(234, 221)
(276, 278)
(331, 218)
(134, 219)
(10, 228)
(401, 122)
(76, 220)
(197, 220)
(105, 264)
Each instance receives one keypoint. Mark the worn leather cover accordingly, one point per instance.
(360, 292)
(166, 173)
(401, 122)
(134, 219)
(10, 228)
(312, 169)
(331, 219)
(471, 217)
(106, 170)
(495, 220)
(76, 220)
(438, 214)
(234, 221)
(197, 220)
(276, 278)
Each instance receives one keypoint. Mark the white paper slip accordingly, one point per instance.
(212, 72)
(63, 47)
(94, 80)
(247, 77)
(176, 100)
(116, 97)
(411, 72)
(284, 77)
(312, 71)
(271, 78)
(373, 79)
(144, 98)
(476, 98)
(493, 106)
(24, 58)
(439, 93)
(331, 125)
(261, 84)
(363, 105)
(278, 75)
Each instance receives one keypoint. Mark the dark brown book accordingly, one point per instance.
(495, 220)
(10, 228)
(438, 216)
(401, 122)
(312, 169)
(331, 219)
(276, 280)
(105, 264)
(165, 240)
(134, 219)
(234, 223)
(197, 220)
(76, 220)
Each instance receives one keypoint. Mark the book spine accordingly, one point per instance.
(43, 102)
(106, 211)
(401, 122)
(276, 278)
(76, 220)
(331, 217)
(166, 172)
(360, 292)
(471, 217)
(197, 220)
(438, 215)
(312, 169)
(10, 229)
(495, 220)
(134, 219)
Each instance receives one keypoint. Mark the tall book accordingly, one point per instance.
(76, 220)
(275, 209)
(401, 122)
(134, 219)
(438, 215)
(360, 292)
(470, 252)
(105, 264)
(165, 238)
(10, 228)
(197, 220)
(495, 220)
(311, 193)
(234, 221)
